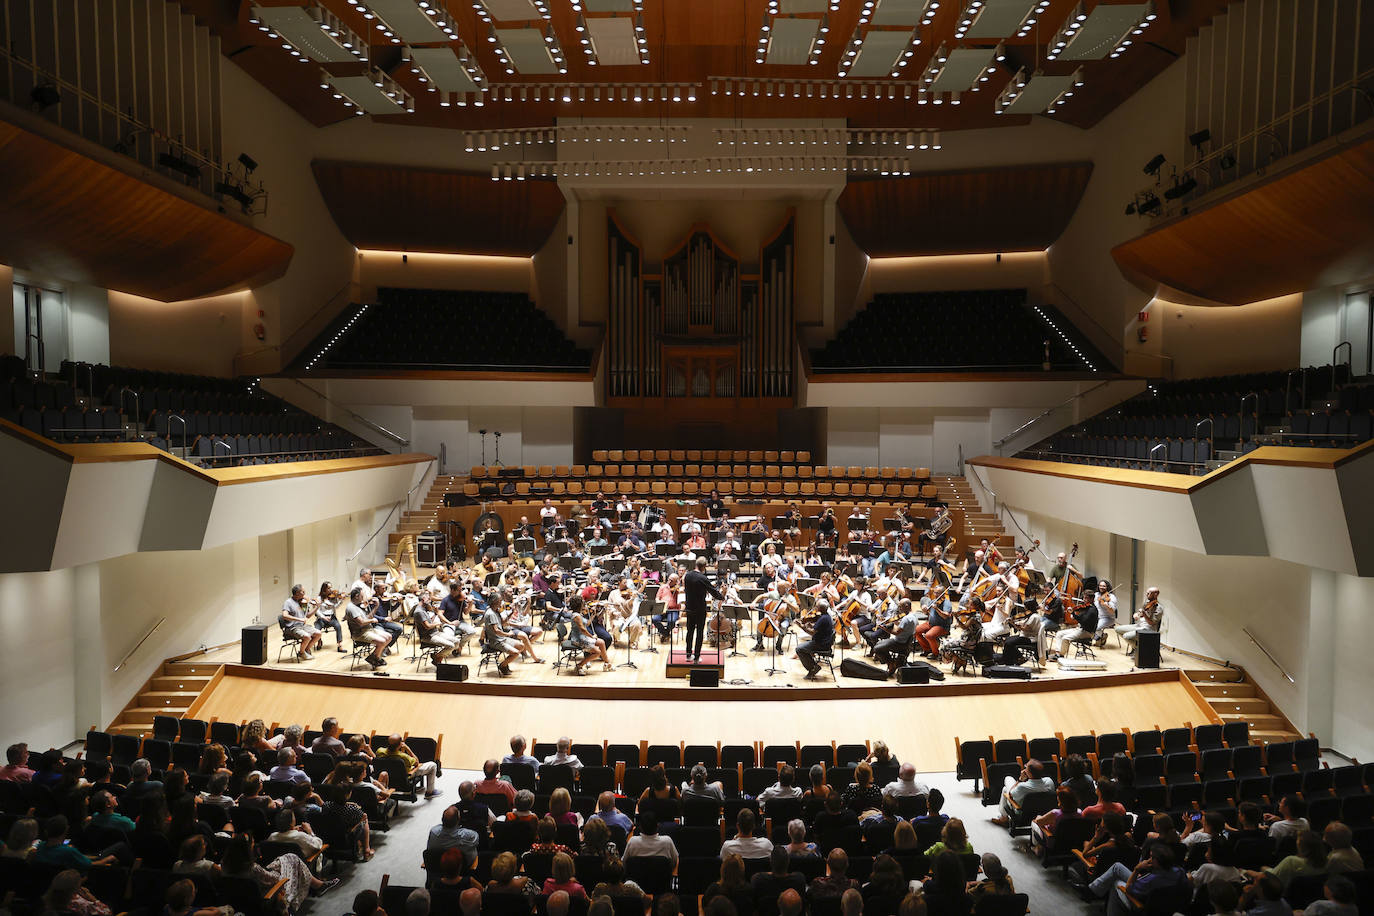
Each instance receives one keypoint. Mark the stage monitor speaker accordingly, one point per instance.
(704, 677)
(912, 674)
(451, 672)
(253, 644)
(1147, 650)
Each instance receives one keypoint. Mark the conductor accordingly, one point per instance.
(697, 587)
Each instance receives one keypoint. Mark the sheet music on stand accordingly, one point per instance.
(724, 567)
(739, 614)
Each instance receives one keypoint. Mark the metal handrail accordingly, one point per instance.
(1255, 395)
(140, 643)
(216, 443)
(138, 403)
(1349, 360)
(1156, 447)
(1211, 435)
(398, 439)
(1045, 413)
(183, 431)
(387, 520)
(1269, 655)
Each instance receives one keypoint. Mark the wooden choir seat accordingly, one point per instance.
(675, 488)
(774, 487)
(928, 491)
(557, 488)
(740, 470)
(867, 473)
(471, 489)
(692, 470)
(708, 454)
(788, 472)
(658, 488)
(677, 455)
(790, 488)
(674, 470)
(631, 455)
(660, 470)
(561, 471)
(787, 457)
(803, 457)
(753, 456)
(807, 488)
(627, 470)
(643, 470)
(693, 454)
(691, 487)
(755, 470)
(770, 456)
(522, 489)
(771, 471)
(600, 456)
(595, 470)
(923, 473)
(756, 488)
(574, 488)
(661, 454)
(821, 471)
(805, 471)
(478, 472)
(904, 473)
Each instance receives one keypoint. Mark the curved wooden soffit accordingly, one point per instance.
(71, 217)
(395, 208)
(973, 211)
(1306, 228)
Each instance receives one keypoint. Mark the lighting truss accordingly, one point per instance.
(397, 19)
(574, 133)
(500, 49)
(540, 6)
(595, 92)
(819, 88)
(851, 50)
(636, 5)
(813, 58)
(737, 165)
(765, 35)
(837, 137)
(641, 39)
(310, 33)
(555, 49)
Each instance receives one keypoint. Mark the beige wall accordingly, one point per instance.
(200, 336)
(421, 270)
(1222, 340)
(1014, 270)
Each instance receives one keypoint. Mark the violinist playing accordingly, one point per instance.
(1145, 620)
(1028, 630)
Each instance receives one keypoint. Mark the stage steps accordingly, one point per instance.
(171, 691)
(1236, 698)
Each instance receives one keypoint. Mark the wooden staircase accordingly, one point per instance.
(958, 494)
(1236, 698)
(169, 692)
(426, 516)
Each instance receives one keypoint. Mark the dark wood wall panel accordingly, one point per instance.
(1304, 229)
(409, 209)
(69, 216)
(1021, 208)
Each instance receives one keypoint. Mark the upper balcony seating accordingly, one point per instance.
(445, 330)
(961, 331)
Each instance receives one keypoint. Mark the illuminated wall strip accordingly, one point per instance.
(824, 89)
(595, 92)
(734, 165)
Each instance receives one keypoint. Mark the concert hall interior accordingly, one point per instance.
(441, 429)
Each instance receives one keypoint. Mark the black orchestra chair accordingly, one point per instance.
(289, 641)
(826, 657)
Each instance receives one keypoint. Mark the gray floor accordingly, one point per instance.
(398, 851)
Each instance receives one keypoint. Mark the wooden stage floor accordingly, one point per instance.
(921, 723)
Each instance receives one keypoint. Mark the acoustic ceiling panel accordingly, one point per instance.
(407, 20)
(790, 41)
(1039, 93)
(296, 25)
(444, 69)
(898, 12)
(1104, 28)
(528, 51)
(1000, 18)
(511, 10)
(879, 53)
(963, 69)
(613, 40)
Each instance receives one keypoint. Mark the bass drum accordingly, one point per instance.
(498, 525)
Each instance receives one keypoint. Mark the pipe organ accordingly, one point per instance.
(702, 328)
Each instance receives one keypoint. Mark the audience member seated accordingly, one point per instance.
(396, 747)
(564, 878)
(745, 844)
(769, 885)
(732, 885)
(646, 840)
(614, 883)
(517, 754)
(836, 879)
(906, 783)
(302, 836)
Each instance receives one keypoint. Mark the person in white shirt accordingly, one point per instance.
(302, 837)
(438, 584)
(647, 842)
(548, 516)
(1291, 819)
(784, 788)
(564, 756)
(745, 844)
(906, 783)
(1105, 603)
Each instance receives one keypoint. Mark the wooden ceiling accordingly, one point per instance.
(690, 41)
(1307, 228)
(396, 208)
(69, 216)
(1020, 208)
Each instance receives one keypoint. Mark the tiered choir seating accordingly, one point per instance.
(674, 474)
(960, 331)
(445, 329)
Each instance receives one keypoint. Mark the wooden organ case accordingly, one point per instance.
(702, 335)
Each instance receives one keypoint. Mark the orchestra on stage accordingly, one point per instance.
(624, 578)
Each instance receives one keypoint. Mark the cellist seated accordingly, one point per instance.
(776, 608)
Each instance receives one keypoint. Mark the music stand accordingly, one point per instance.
(599, 550)
(569, 563)
(664, 549)
(626, 515)
(646, 617)
(492, 580)
(613, 565)
(524, 546)
(858, 548)
(738, 614)
(891, 524)
(827, 554)
(724, 567)
(814, 571)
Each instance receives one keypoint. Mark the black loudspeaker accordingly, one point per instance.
(704, 677)
(1147, 650)
(854, 667)
(253, 644)
(1008, 672)
(911, 674)
(451, 672)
